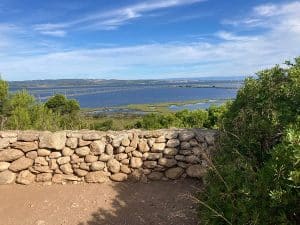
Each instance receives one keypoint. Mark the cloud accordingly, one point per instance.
(228, 36)
(226, 52)
(266, 10)
(54, 33)
(269, 16)
(110, 20)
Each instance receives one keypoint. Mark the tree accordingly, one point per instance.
(3, 99)
(59, 103)
(3, 90)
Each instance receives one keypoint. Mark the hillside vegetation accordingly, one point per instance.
(255, 175)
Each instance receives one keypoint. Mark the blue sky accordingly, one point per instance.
(132, 39)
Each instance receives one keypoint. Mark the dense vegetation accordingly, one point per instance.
(255, 175)
(22, 111)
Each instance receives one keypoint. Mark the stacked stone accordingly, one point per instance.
(96, 157)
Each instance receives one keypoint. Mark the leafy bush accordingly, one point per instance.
(254, 177)
(104, 126)
(182, 119)
(216, 114)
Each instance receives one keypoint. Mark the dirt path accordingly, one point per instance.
(158, 203)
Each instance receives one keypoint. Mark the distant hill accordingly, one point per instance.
(114, 82)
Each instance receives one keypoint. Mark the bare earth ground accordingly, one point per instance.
(157, 203)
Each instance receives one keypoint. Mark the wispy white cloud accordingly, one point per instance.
(269, 16)
(229, 36)
(54, 33)
(112, 19)
(266, 10)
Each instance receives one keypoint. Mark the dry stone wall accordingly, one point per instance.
(95, 157)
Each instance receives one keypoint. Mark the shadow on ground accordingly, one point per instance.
(159, 203)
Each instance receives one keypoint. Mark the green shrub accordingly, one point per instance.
(104, 126)
(181, 119)
(192, 119)
(216, 114)
(254, 177)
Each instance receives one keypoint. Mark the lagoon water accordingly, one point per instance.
(152, 95)
(91, 97)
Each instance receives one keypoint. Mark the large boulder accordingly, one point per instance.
(174, 173)
(105, 157)
(97, 147)
(173, 143)
(83, 151)
(119, 177)
(196, 171)
(4, 142)
(56, 140)
(125, 169)
(66, 168)
(43, 152)
(63, 160)
(4, 166)
(7, 177)
(8, 155)
(8, 134)
(28, 136)
(62, 178)
(43, 177)
(55, 155)
(80, 172)
(171, 135)
(32, 155)
(90, 158)
(210, 138)
(109, 149)
(41, 161)
(40, 169)
(96, 166)
(137, 154)
(125, 142)
(96, 177)
(167, 162)
(134, 141)
(25, 177)
(136, 162)
(113, 166)
(143, 146)
(186, 135)
(121, 156)
(158, 147)
(91, 136)
(154, 156)
(192, 159)
(150, 164)
(25, 146)
(67, 151)
(171, 151)
(72, 142)
(21, 164)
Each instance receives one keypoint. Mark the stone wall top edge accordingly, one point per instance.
(14, 133)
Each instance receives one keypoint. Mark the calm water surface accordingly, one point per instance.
(153, 95)
(91, 97)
